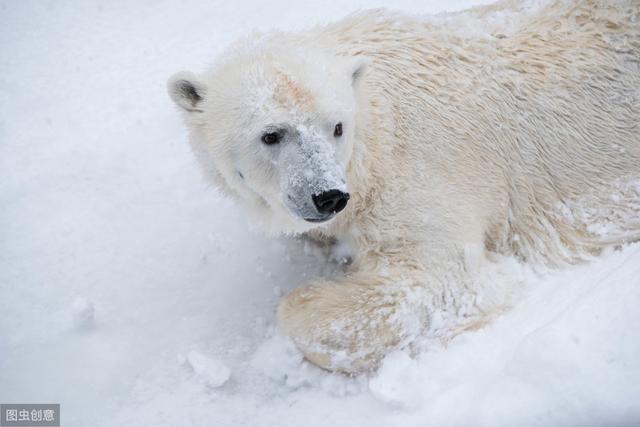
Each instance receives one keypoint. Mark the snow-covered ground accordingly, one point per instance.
(132, 294)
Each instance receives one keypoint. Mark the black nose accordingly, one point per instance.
(330, 202)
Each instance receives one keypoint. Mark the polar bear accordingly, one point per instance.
(507, 129)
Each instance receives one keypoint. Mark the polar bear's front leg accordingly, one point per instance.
(349, 325)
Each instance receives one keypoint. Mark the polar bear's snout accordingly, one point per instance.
(312, 176)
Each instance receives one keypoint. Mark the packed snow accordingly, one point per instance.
(133, 294)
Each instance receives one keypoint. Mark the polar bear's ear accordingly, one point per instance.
(358, 68)
(187, 91)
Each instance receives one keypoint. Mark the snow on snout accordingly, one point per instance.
(311, 167)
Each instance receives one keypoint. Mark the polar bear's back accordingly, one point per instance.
(538, 105)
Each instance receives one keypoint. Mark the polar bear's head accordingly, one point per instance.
(274, 129)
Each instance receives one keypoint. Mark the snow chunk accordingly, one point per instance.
(211, 371)
(396, 382)
(279, 359)
(82, 313)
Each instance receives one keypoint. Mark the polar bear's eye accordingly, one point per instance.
(271, 138)
(338, 130)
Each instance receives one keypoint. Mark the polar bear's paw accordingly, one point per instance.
(348, 326)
